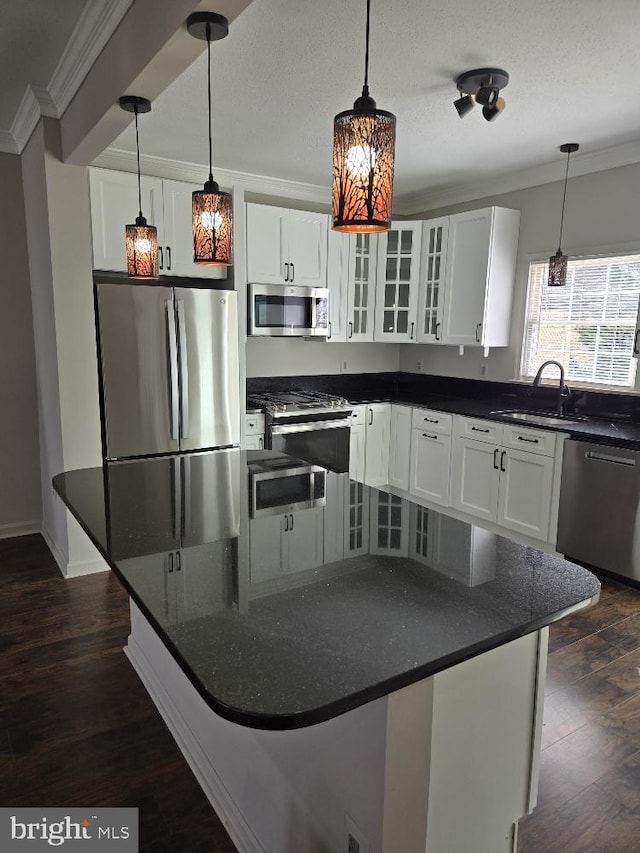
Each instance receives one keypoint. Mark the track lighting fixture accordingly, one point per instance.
(141, 239)
(363, 159)
(211, 208)
(481, 86)
(559, 262)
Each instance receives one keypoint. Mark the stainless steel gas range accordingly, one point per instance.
(309, 425)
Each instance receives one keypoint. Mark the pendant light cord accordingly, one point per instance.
(135, 111)
(564, 198)
(209, 99)
(365, 88)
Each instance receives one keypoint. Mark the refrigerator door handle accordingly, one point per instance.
(184, 371)
(172, 352)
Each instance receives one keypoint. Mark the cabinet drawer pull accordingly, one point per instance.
(495, 458)
(425, 435)
(479, 429)
(432, 420)
(261, 443)
(529, 440)
(502, 458)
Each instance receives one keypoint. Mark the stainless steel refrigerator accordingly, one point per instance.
(168, 368)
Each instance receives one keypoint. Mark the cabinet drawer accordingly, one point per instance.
(479, 429)
(432, 421)
(533, 440)
(358, 415)
(254, 424)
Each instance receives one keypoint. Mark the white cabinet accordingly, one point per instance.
(286, 543)
(430, 466)
(398, 278)
(286, 246)
(369, 443)
(433, 268)
(497, 481)
(351, 279)
(400, 447)
(378, 429)
(165, 204)
(253, 433)
(636, 338)
(480, 269)
(389, 533)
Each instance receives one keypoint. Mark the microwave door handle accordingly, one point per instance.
(172, 355)
(184, 371)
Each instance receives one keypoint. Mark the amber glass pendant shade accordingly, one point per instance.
(142, 250)
(558, 264)
(363, 163)
(212, 226)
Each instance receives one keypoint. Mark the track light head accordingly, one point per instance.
(486, 96)
(491, 113)
(464, 105)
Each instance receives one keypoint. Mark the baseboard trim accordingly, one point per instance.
(215, 791)
(86, 567)
(22, 528)
(57, 554)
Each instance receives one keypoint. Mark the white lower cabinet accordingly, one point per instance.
(503, 484)
(430, 466)
(369, 447)
(400, 447)
(282, 544)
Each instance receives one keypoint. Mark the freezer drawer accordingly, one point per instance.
(599, 502)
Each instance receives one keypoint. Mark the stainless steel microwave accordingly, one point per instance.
(288, 310)
(284, 484)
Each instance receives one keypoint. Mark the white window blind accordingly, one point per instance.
(588, 325)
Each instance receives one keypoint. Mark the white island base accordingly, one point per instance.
(446, 765)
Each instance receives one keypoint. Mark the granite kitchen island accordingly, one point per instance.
(334, 661)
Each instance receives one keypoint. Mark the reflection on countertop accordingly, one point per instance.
(287, 619)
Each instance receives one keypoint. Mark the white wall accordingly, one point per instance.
(602, 213)
(299, 357)
(20, 506)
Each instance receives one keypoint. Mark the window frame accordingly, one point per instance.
(595, 253)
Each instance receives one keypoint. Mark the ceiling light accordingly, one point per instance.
(558, 262)
(141, 239)
(211, 208)
(363, 160)
(482, 86)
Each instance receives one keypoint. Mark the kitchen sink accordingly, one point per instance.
(545, 418)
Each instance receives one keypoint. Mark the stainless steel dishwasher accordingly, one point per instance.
(598, 522)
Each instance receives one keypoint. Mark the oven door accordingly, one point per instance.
(324, 442)
(282, 310)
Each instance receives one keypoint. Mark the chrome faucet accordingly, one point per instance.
(563, 390)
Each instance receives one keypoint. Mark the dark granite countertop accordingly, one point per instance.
(304, 646)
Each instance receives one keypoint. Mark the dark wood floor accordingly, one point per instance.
(77, 728)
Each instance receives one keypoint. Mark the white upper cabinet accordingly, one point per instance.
(114, 205)
(286, 246)
(398, 277)
(480, 271)
(165, 204)
(351, 278)
(433, 268)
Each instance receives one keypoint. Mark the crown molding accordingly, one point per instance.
(95, 27)
(8, 145)
(26, 119)
(161, 167)
(48, 106)
(581, 164)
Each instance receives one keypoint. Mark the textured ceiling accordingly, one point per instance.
(33, 36)
(288, 66)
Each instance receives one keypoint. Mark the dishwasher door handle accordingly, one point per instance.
(612, 460)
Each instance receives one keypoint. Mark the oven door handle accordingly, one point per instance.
(314, 426)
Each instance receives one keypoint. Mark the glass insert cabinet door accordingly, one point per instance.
(433, 264)
(398, 281)
(362, 286)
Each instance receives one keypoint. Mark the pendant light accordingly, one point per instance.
(558, 262)
(141, 239)
(363, 159)
(211, 208)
